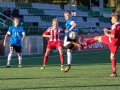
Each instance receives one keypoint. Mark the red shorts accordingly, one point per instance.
(112, 46)
(52, 44)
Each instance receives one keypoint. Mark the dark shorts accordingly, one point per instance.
(71, 45)
(18, 49)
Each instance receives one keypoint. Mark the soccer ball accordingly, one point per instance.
(72, 35)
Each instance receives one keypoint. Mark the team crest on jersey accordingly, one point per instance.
(19, 30)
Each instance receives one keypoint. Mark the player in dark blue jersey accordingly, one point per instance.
(17, 35)
(70, 27)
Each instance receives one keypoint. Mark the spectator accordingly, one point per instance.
(9, 12)
(15, 12)
(6, 13)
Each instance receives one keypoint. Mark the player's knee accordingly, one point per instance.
(68, 50)
(19, 54)
(11, 52)
(96, 38)
(65, 44)
(112, 57)
(47, 52)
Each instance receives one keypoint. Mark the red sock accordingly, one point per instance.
(89, 42)
(113, 63)
(62, 59)
(45, 59)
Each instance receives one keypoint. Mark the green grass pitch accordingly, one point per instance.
(90, 71)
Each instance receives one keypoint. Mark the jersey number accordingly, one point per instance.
(16, 33)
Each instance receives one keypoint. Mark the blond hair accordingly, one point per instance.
(54, 19)
(116, 15)
(15, 19)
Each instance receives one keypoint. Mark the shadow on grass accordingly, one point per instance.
(78, 59)
(68, 87)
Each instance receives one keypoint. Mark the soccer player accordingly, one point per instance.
(70, 26)
(111, 38)
(53, 33)
(17, 35)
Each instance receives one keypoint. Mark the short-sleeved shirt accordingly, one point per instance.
(15, 35)
(115, 30)
(68, 25)
(113, 43)
(54, 33)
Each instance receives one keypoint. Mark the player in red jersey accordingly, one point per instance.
(111, 38)
(53, 33)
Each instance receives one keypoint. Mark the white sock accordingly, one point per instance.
(20, 59)
(9, 59)
(69, 58)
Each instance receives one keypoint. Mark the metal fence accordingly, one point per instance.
(30, 46)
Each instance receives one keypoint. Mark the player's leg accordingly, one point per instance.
(113, 50)
(67, 43)
(58, 45)
(93, 40)
(19, 59)
(113, 64)
(69, 58)
(48, 49)
(87, 42)
(18, 50)
(61, 57)
(10, 55)
(45, 58)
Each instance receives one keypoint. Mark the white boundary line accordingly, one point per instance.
(65, 55)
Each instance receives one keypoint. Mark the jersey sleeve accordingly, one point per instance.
(114, 29)
(9, 32)
(23, 32)
(70, 22)
(62, 30)
(47, 32)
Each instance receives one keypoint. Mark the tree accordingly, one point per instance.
(114, 4)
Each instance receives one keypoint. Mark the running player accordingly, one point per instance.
(70, 26)
(111, 38)
(17, 35)
(53, 33)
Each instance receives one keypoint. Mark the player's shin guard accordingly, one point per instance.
(45, 60)
(9, 59)
(113, 63)
(69, 58)
(89, 42)
(20, 59)
(62, 59)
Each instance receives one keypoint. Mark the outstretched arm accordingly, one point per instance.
(73, 26)
(4, 43)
